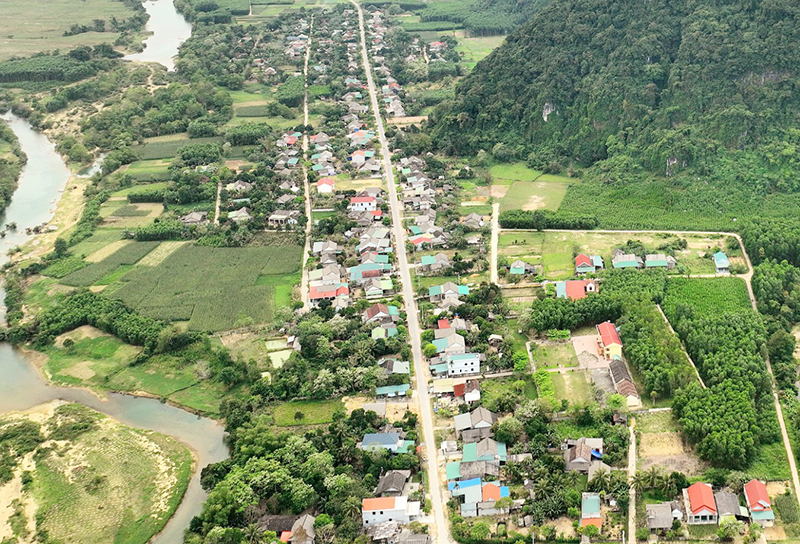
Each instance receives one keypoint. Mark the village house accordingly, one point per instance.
(239, 187)
(363, 203)
(661, 516)
(280, 218)
(608, 341)
(590, 510)
(521, 268)
(659, 260)
(438, 293)
(473, 221)
(623, 383)
(241, 215)
(588, 264)
(728, 506)
(468, 390)
(487, 449)
(326, 186)
(382, 509)
(392, 483)
(626, 260)
(392, 441)
(327, 246)
(393, 366)
(335, 292)
(698, 500)
(579, 454)
(434, 264)
(194, 218)
(758, 503)
(381, 313)
(721, 263)
(479, 418)
(392, 391)
(575, 289)
(461, 364)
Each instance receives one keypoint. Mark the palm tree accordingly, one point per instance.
(601, 480)
(654, 477)
(639, 481)
(352, 508)
(253, 534)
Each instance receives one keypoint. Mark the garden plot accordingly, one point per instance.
(573, 386)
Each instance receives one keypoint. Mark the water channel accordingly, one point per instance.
(42, 181)
(169, 30)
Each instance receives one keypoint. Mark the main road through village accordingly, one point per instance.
(442, 531)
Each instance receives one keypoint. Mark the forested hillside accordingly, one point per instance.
(668, 87)
(483, 17)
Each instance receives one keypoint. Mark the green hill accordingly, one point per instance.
(683, 89)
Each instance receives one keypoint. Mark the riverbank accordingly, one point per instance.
(92, 478)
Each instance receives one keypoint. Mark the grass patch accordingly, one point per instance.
(313, 412)
(554, 355)
(64, 267)
(212, 288)
(495, 390)
(475, 49)
(129, 485)
(573, 387)
(770, 464)
(656, 422)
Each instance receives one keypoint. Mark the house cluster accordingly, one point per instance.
(473, 471)
(622, 260)
(700, 505)
(292, 529)
(390, 509)
(417, 189)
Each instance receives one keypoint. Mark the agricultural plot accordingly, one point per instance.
(87, 357)
(126, 256)
(119, 214)
(661, 444)
(213, 288)
(164, 149)
(707, 296)
(151, 170)
(27, 28)
(101, 238)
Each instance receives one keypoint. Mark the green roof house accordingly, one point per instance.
(721, 263)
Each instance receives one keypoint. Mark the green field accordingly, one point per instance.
(167, 148)
(31, 27)
(771, 464)
(656, 422)
(521, 188)
(127, 255)
(213, 288)
(314, 412)
(151, 170)
(707, 296)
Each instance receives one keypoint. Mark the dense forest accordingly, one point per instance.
(11, 160)
(699, 93)
(483, 17)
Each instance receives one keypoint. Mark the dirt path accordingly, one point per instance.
(304, 295)
(441, 530)
(495, 242)
(216, 206)
(631, 474)
(688, 358)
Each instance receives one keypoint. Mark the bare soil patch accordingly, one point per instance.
(667, 450)
(84, 331)
(499, 191)
(159, 254)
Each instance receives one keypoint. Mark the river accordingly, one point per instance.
(169, 30)
(41, 183)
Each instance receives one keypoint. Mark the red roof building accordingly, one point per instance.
(443, 324)
(576, 289)
(701, 500)
(583, 260)
(608, 334)
(757, 497)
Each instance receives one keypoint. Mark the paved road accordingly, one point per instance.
(304, 295)
(495, 242)
(441, 528)
(216, 206)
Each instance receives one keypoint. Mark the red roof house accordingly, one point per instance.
(700, 504)
(443, 324)
(583, 260)
(576, 289)
(757, 497)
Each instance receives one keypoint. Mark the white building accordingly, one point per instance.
(462, 364)
(382, 509)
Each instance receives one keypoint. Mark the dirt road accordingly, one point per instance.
(304, 296)
(495, 242)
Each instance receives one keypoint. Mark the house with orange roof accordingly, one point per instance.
(383, 509)
(575, 289)
(590, 510)
(757, 498)
(326, 185)
(608, 341)
(701, 508)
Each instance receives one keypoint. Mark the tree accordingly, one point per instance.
(642, 533)
(480, 531)
(430, 351)
(590, 531)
